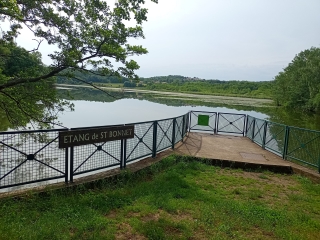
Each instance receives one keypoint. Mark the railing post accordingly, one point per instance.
(154, 148)
(216, 124)
(66, 165)
(286, 142)
(173, 138)
(121, 155)
(265, 128)
(253, 128)
(183, 128)
(189, 121)
(71, 164)
(184, 122)
(124, 153)
(245, 127)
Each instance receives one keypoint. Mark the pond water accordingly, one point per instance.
(90, 113)
(95, 108)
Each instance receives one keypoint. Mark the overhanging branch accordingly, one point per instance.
(15, 82)
(94, 86)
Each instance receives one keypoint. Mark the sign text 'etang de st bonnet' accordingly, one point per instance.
(95, 135)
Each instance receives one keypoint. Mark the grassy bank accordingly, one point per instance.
(203, 90)
(177, 198)
(230, 88)
(210, 93)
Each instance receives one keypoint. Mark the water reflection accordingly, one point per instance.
(122, 111)
(294, 118)
(137, 107)
(95, 108)
(4, 122)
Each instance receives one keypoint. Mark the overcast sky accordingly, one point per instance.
(226, 39)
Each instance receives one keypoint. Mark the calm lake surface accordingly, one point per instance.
(95, 108)
(90, 113)
(93, 113)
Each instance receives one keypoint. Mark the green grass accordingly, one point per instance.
(177, 198)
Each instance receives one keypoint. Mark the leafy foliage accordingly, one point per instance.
(298, 86)
(87, 33)
(93, 77)
(90, 37)
(36, 101)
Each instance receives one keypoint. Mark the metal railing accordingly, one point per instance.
(231, 123)
(290, 143)
(33, 156)
(212, 119)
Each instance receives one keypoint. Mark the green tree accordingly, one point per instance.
(298, 85)
(129, 84)
(34, 102)
(90, 35)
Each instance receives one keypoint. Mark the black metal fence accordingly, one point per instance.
(291, 143)
(30, 157)
(33, 156)
(211, 126)
(231, 123)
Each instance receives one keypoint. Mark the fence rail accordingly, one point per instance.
(30, 157)
(231, 123)
(33, 156)
(290, 143)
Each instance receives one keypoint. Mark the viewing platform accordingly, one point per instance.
(231, 151)
(39, 159)
(219, 150)
(238, 152)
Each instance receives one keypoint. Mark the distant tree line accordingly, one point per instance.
(177, 83)
(182, 84)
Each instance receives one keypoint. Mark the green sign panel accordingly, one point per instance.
(203, 120)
